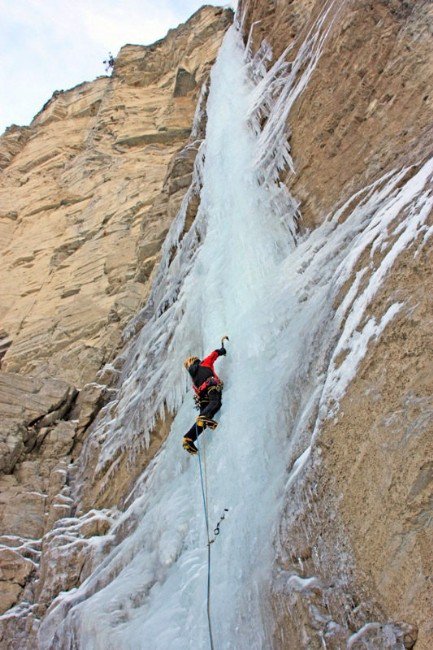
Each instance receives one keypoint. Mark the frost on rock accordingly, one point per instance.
(241, 269)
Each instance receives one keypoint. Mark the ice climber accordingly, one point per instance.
(208, 392)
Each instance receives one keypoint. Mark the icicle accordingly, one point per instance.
(237, 270)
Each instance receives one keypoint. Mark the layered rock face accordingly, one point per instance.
(367, 108)
(86, 202)
(360, 520)
(87, 194)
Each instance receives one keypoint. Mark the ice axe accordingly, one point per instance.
(224, 338)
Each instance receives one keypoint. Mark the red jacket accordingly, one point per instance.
(202, 372)
(208, 362)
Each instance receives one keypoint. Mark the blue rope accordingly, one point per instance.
(208, 541)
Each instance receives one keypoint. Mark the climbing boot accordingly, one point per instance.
(204, 422)
(189, 446)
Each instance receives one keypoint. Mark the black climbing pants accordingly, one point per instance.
(210, 403)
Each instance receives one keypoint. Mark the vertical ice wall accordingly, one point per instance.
(241, 271)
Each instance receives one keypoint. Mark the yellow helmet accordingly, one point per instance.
(188, 362)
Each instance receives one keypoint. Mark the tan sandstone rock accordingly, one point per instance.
(26, 404)
(359, 520)
(9, 593)
(367, 108)
(354, 546)
(77, 193)
(87, 194)
(14, 567)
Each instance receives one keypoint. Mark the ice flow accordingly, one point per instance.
(242, 271)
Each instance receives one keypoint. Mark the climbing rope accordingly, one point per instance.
(209, 542)
(203, 449)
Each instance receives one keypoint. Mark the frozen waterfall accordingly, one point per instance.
(241, 270)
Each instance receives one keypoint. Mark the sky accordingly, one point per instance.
(48, 45)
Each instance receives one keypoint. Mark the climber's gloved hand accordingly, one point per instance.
(222, 352)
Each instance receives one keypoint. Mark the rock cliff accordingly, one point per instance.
(88, 193)
(365, 527)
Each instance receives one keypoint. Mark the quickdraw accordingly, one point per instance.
(216, 530)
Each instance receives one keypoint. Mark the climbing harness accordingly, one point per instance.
(210, 381)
